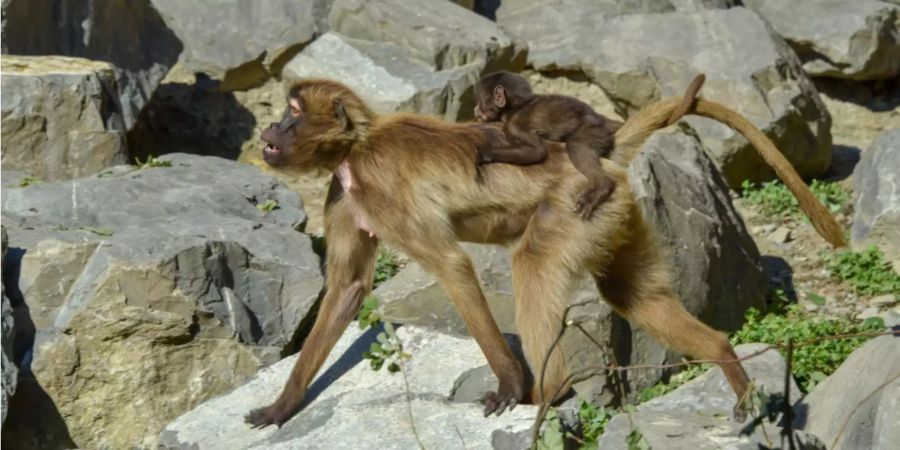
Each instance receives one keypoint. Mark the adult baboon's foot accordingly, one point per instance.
(507, 396)
(269, 415)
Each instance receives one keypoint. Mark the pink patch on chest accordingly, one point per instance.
(343, 174)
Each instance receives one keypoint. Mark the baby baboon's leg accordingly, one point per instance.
(638, 287)
(585, 147)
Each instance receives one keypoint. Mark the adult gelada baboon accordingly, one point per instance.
(412, 181)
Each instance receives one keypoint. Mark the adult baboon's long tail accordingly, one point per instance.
(640, 126)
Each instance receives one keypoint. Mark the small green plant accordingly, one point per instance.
(832, 194)
(150, 162)
(553, 436)
(773, 198)
(811, 363)
(388, 347)
(866, 271)
(368, 313)
(675, 381)
(386, 266)
(29, 180)
(268, 206)
(636, 440)
(593, 421)
(816, 299)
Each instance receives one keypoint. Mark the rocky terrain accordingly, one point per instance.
(159, 277)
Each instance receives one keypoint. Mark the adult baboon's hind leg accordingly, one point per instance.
(541, 281)
(638, 287)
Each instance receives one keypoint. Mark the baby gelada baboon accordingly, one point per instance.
(528, 118)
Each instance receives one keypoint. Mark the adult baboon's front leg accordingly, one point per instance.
(350, 270)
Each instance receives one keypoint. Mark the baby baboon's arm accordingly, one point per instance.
(526, 147)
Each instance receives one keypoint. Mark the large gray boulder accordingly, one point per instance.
(876, 187)
(388, 76)
(440, 33)
(350, 406)
(639, 58)
(60, 117)
(858, 406)
(130, 35)
(152, 290)
(452, 46)
(698, 415)
(239, 43)
(717, 264)
(717, 269)
(857, 39)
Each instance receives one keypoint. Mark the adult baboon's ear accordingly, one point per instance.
(341, 114)
(499, 96)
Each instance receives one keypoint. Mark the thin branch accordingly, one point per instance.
(459, 435)
(788, 411)
(412, 423)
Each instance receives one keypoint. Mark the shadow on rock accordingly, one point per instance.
(34, 421)
(191, 118)
(844, 159)
(350, 358)
(877, 95)
(780, 275)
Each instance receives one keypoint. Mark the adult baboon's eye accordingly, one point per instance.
(295, 107)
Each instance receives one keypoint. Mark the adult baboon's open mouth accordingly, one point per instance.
(272, 153)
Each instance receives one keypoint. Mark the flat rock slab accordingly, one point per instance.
(858, 39)
(350, 406)
(61, 119)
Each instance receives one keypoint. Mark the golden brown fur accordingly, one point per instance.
(415, 179)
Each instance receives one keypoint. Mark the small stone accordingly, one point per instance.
(780, 236)
(763, 230)
(867, 313)
(883, 301)
(896, 265)
(810, 307)
(891, 318)
(749, 213)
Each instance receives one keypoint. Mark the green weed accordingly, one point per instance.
(866, 271)
(774, 199)
(812, 363)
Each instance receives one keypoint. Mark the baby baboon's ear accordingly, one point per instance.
(499, 96)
